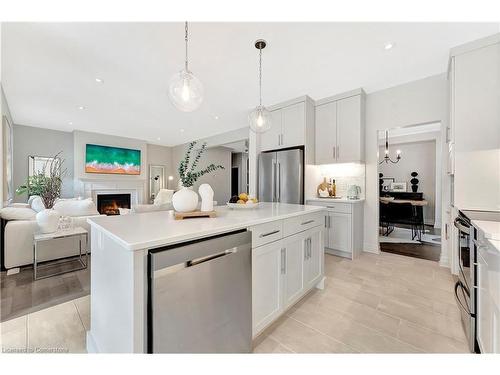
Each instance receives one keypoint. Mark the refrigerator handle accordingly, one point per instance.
(279, 183)
(274, 181)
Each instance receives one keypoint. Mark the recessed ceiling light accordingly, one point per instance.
(216, 117)
(99, 80)
(70, 123)
(158, 138)
(388, 46)
(81, 107)
(182, 130)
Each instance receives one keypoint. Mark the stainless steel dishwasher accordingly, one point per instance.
(200, 296)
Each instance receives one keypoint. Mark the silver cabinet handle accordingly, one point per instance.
(326, 221)
(333, 152)
(307, 222)
(309, 248)
(305, 249)
(283, 261)
(338, 151)
(330, 206)
(279, 139)
(269, 233)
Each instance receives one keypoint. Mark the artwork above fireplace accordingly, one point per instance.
(109, 204)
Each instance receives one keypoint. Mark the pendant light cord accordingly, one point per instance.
(260, 77)
(186, 42)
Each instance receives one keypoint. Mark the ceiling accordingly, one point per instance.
(49, 70)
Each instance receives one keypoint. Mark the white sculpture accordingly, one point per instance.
(207, 197)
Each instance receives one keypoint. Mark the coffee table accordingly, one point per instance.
(79, 232)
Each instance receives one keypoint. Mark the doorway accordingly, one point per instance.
(409, 185)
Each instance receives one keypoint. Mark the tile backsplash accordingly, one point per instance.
(344, 175)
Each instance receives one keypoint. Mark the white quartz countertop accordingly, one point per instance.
(333, 200)
(155, 229)
(491, 229)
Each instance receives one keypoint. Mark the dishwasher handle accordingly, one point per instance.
(195, 262)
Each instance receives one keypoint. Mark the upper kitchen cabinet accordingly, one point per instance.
(340, 128)
(292, 125)
(474, 132)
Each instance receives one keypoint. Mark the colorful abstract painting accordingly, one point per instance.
(112, 160)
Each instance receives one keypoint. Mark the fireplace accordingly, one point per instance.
(109, 204)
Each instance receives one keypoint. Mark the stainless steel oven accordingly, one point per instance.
(465, 286)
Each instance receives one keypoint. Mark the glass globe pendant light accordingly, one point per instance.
(185, 90)
(260, 118)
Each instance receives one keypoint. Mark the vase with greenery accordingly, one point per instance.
(185, 199)
(47, 184)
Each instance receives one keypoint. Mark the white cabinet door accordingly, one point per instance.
(476, 96)
(314, 258)
(271, 140)
(326, 133)
(350, 141)
(293, 123)
(339, 232)
(294, 268)
(266, 284)
(484, 308)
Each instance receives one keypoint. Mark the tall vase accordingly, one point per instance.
(48, 220)
(185, 200)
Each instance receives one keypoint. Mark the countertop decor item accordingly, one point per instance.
(194, 214)
(185, 90)
(322, 189)
(242, 206)
(387, 158)
(185, 199)
(260, 118)
(207, 197)
(414, 182)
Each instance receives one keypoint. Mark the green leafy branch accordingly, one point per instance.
(188, 175)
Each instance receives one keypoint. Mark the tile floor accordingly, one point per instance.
(383, 303)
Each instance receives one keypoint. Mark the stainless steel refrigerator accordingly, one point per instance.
(281, 176)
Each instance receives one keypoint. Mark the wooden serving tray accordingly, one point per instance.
(194, 214)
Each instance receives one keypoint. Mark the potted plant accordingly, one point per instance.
(185, 199)
(46, 183)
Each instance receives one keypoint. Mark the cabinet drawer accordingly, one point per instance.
(301, 223)
(266, 233)
(343, 208)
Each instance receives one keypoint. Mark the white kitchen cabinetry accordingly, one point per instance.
(474, 131)
(340, 128)
(484, 308)
(293, 268)
(267, 283)
(344, 227)
(488, 293)
(292, 125)
(284, 270)
(339, 229)
(313, 257)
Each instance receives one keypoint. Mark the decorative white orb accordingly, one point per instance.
(185, 200)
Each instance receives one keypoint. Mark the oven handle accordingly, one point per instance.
(458, 284)
(461, 225)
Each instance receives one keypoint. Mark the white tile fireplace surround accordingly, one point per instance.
(90, 188)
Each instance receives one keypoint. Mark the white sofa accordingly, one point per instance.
(19, 225)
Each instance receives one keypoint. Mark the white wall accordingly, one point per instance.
(4, 112)
(32, 141)
(421, 158)
(412, 103)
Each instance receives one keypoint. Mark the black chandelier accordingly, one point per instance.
(387, 158)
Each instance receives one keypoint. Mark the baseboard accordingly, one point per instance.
(338, 253)
(371, 248)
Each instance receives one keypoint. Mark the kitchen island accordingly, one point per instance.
(286, 262)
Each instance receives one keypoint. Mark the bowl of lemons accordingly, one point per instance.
(243, 201)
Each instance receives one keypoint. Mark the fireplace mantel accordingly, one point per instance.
(90, 187)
